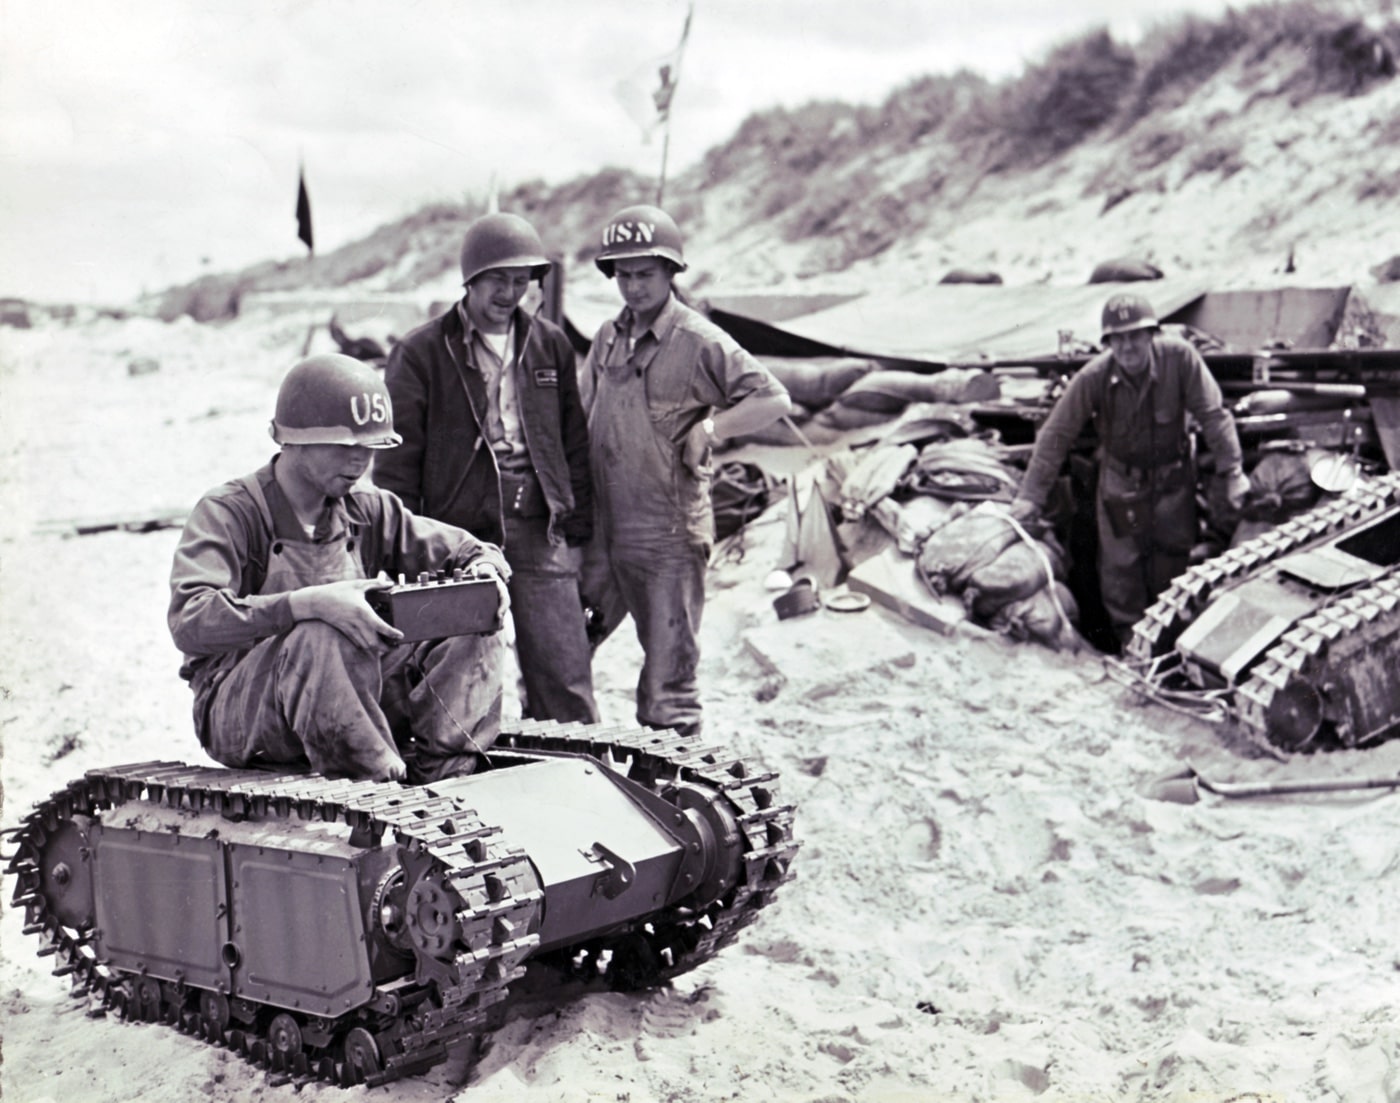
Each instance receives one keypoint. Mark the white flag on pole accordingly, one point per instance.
(646, 93)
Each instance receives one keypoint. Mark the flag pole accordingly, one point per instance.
(670, 79)
(665, 150)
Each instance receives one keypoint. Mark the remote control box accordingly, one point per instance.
(440, 605)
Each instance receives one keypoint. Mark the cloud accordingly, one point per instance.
(170, 129)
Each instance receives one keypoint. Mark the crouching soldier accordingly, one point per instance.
(288, 662)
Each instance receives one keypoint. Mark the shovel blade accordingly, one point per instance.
(1179, 787)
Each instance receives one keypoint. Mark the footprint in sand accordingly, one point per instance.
(668, 1014)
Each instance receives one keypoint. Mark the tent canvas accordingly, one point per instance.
(752, 319)
(944, 324)
(965, 323)
(1299, 317)
(1383, 299)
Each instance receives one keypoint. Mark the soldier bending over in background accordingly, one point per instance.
(1139, 393)
(288, 662)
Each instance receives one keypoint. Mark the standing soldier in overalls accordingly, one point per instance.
(662, 384)
(288, 662)
(1139, 394)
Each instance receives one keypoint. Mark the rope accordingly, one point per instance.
(475, 746)
(786, 420)
(1045, 563)
(1211, 705)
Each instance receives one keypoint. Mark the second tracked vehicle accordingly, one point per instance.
(355, 932)
(1293, 636)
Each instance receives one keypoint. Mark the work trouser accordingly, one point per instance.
(1142, 548)
(664, 591)
(311, 695)
(551, 641)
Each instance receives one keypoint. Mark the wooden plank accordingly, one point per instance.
(88, 526)
(891, 579)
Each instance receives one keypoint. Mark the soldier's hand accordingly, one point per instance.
(696, 450)
(487, 569)
(1237, 489)
(1226, 498)
(342, 605)
(1025, 511)
(489, 562)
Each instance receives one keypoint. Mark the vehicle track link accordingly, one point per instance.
(683, 938)
(1157, 632)
(406, 1027)
(1285, 703)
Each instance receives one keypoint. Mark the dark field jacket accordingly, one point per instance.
(445, 467)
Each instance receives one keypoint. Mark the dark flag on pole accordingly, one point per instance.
(304, 213)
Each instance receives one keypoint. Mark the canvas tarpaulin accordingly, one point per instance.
(960, 323)
(1296, 317)
(945, 324)
(934, 325)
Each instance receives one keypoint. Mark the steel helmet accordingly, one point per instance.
(334, 399)
(640, 231)
(1126, 312)
(502, 241)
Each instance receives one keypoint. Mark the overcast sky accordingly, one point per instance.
(143, 142)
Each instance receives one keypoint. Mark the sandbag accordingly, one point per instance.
(963, 545)
(815, 381)
(838, 416)
(966, 468)
(1124, 270)
(1017, 573)
(1037, 618)
(1281, 486)
(891, 391)
(971, 275)
(920, 517)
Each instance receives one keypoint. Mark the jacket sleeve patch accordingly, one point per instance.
(546, 377)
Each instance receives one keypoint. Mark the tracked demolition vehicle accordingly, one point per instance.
(1295, 635)
(354, 932)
